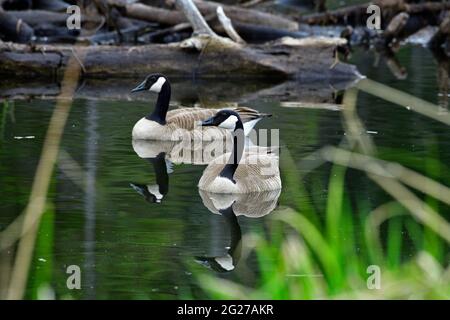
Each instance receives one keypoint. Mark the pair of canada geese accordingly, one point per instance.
(243, 170)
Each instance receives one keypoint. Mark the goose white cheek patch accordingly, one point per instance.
(156, 87)
(229, 123)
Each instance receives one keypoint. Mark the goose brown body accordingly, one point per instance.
(256, 172)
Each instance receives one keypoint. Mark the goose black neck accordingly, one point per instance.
(236, 154)
(160, 167)
(162, 105)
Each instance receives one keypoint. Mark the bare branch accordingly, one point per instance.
(194, 17)
(228, 26)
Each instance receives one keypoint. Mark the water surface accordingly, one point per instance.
(130, 248)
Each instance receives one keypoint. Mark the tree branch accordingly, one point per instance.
(194, 17)
(226, 23)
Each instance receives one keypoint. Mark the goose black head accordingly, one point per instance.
(226, 119)
(153, 82)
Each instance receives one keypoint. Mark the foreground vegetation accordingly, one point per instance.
(335, 253)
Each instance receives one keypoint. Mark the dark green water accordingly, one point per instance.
(132, 249)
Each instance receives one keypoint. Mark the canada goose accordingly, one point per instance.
(156, 192)
(230, 206)
(241, 171)
(162, 124)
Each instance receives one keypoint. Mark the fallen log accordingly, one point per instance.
(286, 58)
(205, 55)
(248, 16)
(206, 8)
(148, 13)
(13, 29)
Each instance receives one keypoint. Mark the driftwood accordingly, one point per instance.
(13, 29)
(248, 16)
(148, 13)
(228, 26)
(172, 17)
(194, 17)
(286, 58)
(205, 55)
(252, 25)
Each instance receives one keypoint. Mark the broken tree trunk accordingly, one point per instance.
(286, 58)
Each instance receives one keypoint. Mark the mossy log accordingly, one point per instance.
(202, 57)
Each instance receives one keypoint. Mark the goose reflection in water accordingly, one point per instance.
(230, 206)
(162, 155)
(194, 152)
(155, 193)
